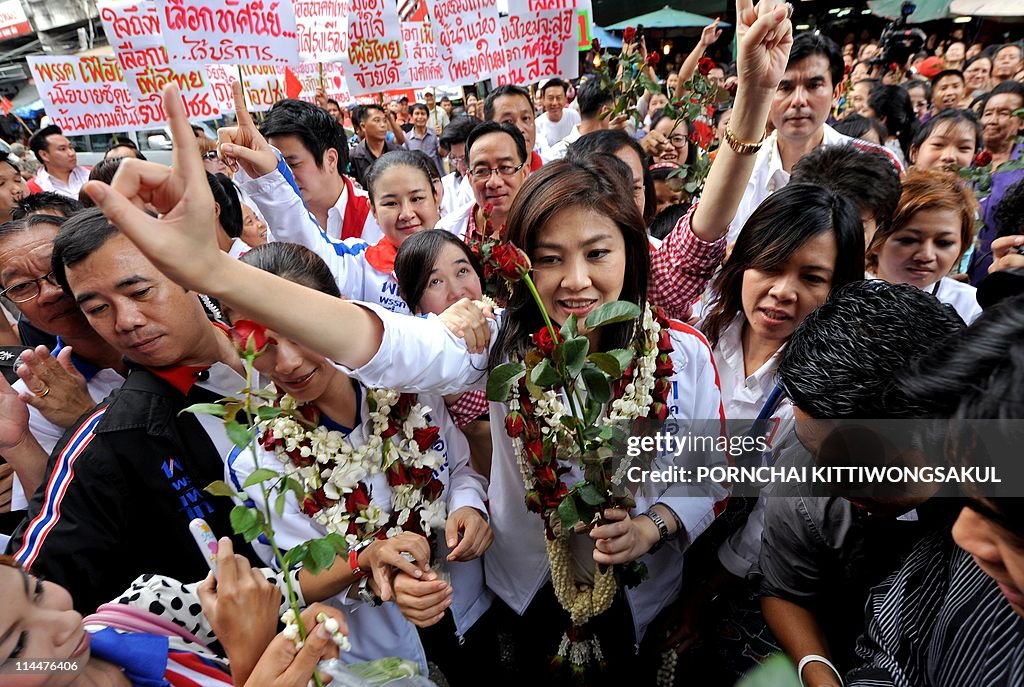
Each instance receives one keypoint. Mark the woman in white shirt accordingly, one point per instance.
(380, 534)
(932, 227)
(587, 248)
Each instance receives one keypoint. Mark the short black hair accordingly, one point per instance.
(332, 101)
(1009, 214)
(666, 220)
(362, 112)
(610, 142)
(500, 91)
(458, 130)
(313, 126)
(38, 141)
(866, 178)
(857, 126)
(45, 201)
(491, 127)
(1011, 86)
(952, 117)
(78, 238)
(918, 83)
(947, 72)
(808, 44)
(591, 98)
(416, 258)
(104, 171)
(419, 106)
(892, 104)
(553, 82)
(226, 196)
(843, 359)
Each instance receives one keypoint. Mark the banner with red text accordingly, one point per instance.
(468, 39)
(87, 94)
(263, 86)
(539, 38)
(229, 31)
(375, 56)
(13, 21)
(322, 29)
(133, 29)
(423, 61)
(333, 79)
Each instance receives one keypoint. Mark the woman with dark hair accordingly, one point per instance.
(442, 523)
(587, 249)
(891, 105)
(932, 227)
(865, 128)
(677, 131)
(619, 144)
(948, 140)
(228, 210)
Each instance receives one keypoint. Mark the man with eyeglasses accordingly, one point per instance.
(497, 163)
(458, 192)
(57, 391)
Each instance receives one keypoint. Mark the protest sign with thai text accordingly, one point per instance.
(86, 94)
(374, 46)
(133, 29)
(263, 86)
(229, 31)
(322, 29)
(539, 38)
(423, 62)
(468, 39)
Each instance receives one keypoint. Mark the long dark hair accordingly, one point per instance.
(226, 196)
(416, 258)
(295, 263)
(610, 142)
(597, 187)
(777, 229)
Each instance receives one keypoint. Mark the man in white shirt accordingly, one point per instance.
(314, 147)
(458, 191)
(60, 171)
(437, 118)
(592, 100)
(556, 122)
(798, 113)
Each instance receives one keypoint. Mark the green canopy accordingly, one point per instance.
(665, 18)
(926, 10)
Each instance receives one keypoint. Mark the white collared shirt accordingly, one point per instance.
(557, 151)
(336, 218)
(769, 176)
(458, 191)
(549, 133)
(47, 182)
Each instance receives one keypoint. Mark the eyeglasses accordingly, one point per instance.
(27, 290)
(677, 140)
(457, 160)
(211, 155)
(484, 173)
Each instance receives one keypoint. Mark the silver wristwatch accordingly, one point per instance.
(662, 528)
(366, 594)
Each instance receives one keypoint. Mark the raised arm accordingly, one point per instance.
(708, 36)
(182, 243)
(764, 35)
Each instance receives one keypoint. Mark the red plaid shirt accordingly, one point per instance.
(682, 267)
(469, 407)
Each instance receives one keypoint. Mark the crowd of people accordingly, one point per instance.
(855, 252)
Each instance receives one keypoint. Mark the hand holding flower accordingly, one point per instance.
(623, 538)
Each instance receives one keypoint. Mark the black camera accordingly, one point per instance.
(898, 43)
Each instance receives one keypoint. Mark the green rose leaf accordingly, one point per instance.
(598, 388)
(338, 542)
(243, 518)
(567, 512)
(205, 409)
(591, 495)
(569, 328)
(321, 554)
(574, 352)
(545, 374)
(501, 379)
(279, 503)
(257, 476)
(220, 488)
(268, 412)
(240, 435)
(611, 313)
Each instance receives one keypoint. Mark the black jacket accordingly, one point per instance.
(361, 159)
(122, 487)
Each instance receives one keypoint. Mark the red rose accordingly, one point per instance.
(534, 451)
(511, 262)
(546, 476)
(730, 88)
(664, 341)
(421, 476)
(663, 365)
(628, 35)
(533, 502)
(250, 338)
(357, 501)
(433, 489)
(662, 387)
(894, 67)
(405, 403)
(659, 411)
(515, 424)
(488, 208)
(545, 343)
(396, 474)
(653, 58)
(391, 430)
(595, 45)
(847, 70)
(296, 457)
(425, 437)
(702, 134)
(310, 413)
(983, 158)
(310, 507)
(705, 65)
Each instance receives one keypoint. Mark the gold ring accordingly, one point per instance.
(46, 391)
